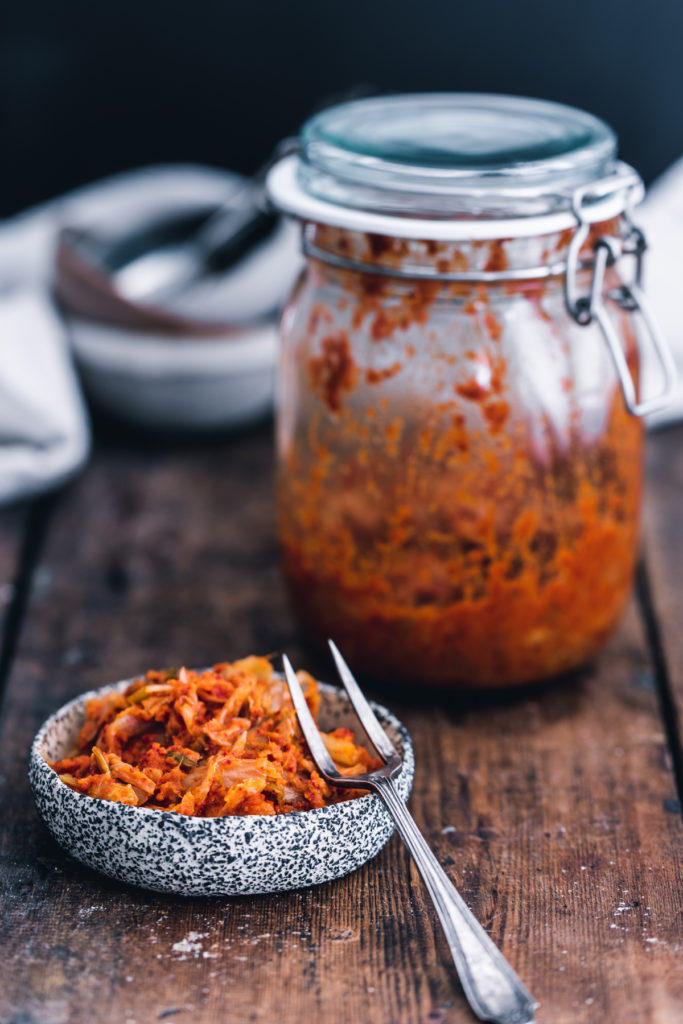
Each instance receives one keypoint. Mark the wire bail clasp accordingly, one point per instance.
(629, 296)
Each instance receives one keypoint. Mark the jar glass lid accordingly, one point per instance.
(449, 142)
(445, 157)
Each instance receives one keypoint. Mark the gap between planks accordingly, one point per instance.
(663, 542)
(667, 700)
(27, 544)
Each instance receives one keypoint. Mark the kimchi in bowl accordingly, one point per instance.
(212, 856)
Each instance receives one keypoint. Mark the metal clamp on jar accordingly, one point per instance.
(459, 433)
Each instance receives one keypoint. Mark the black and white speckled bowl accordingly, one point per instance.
(213, 856)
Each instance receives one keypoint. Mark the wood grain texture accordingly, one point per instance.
(13, 521)
(664, 547)
(551, 810)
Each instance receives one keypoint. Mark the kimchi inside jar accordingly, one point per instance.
(459, 476)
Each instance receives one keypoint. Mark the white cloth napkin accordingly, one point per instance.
(44, 432)
(44, 435)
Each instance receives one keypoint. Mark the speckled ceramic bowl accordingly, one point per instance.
(213, 856)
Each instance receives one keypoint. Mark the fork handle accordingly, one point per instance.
(492, 988)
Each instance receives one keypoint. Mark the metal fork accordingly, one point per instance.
(492, 988)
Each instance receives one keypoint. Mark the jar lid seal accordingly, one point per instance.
(436, 165)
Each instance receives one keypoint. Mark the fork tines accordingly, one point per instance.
(376, 734)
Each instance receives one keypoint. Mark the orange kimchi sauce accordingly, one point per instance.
(437, 548)
(221, 742)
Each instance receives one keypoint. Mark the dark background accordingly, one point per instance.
(89, 88)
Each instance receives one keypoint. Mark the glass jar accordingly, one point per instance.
(459, 436)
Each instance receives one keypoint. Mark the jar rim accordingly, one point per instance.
(453, 166)
(448, 142)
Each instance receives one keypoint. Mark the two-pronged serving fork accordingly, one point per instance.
(493, 990)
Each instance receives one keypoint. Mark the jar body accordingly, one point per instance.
(459, 480)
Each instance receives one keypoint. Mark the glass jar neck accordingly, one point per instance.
(500, 259)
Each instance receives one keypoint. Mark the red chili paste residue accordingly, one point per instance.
(412, 308)
(392, 433)
(373, 376)
(423, 529)
(380, 245)
(320, 314)
(383, 326)
(493, 325)
(386, 308)
(488, 378)
(472, 390)
(462, 562)
(497, 414)
(535, 293)
(334, 371)
(498, 260)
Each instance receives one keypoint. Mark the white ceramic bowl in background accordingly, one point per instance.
(170, 852)
(174, 383)
(201, 359)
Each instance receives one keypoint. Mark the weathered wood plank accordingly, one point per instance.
(12, 520)
(664, 547)
(552, 810)
(12, 530)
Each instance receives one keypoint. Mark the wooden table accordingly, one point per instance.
(555, 811)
